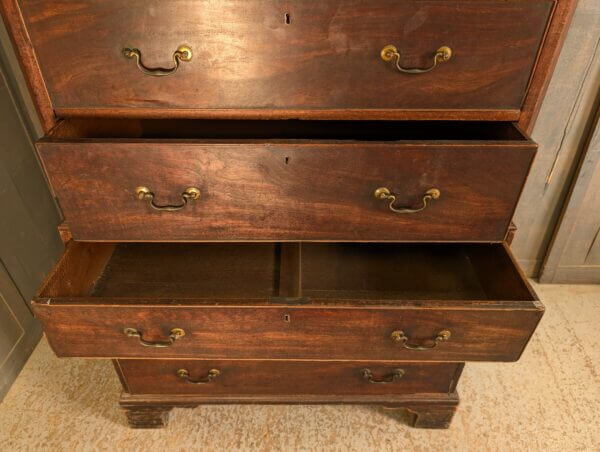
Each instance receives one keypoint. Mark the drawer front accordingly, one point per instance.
(255, 331)
(288, 191)
(239, 378)
(247, 59)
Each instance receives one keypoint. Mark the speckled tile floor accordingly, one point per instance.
(548, 401)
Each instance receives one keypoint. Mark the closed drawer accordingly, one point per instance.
(235, 378)
(247, 60)
(439, 302)
(287, 180)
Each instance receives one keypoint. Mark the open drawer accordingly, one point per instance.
(193, 180)
(336, 301)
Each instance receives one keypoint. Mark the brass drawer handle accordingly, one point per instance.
(389, 52)
(384, 193)
(190, 193)
(396, 375)
(184, 374)
(400, 337)
(183, 53)
(176, 333)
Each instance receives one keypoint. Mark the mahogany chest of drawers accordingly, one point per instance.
(273, 201)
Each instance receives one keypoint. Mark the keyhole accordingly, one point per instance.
(288, 19)
(286, 160)
(286, 318)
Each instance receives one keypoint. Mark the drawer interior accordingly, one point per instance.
(285, 273)
(78, 129)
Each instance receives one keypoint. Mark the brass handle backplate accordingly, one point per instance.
(175, 334)
(384, 193)
(190, 193)
(390, 52)
(401, 338)
(396, 375)
(183, 53)
(184, 374)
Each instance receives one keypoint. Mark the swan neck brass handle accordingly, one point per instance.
(183, 53)
(184, 374)
(175, 334)
(390, 52)
(190, 193)
(401, 338)
(385, 193)
(396, 375)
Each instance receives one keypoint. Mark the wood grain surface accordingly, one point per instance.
(432, 410)
(253, 331)
(347, 314)
(247, 58)
(287, 377)
(267, 189)
(15, 24)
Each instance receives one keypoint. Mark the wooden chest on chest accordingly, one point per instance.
(273, 201)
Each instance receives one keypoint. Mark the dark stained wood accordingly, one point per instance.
(277, 189)
(147, 416)
(290, 270)
(263, 114)
(432, 415)
(231, 273)
(556, 33)
(286, 377)
(378, 272)
(498, 272)
(81, 129)
(64, 233)
(510, 233)
(251, 308)
(193, 400)
(426, 409)
(212, 271)
(119, 372)
(348, 314)
(77, 270)
(13, 19)
(247, 57)
(260, 332)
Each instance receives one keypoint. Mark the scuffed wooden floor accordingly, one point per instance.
(548, 401)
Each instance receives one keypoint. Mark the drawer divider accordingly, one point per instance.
(290, 272)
